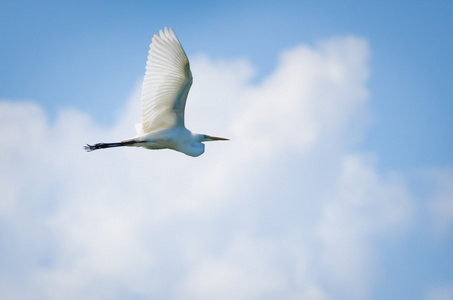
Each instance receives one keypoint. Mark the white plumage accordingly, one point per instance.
(164, 92)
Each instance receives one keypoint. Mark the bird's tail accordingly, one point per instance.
(90, 148)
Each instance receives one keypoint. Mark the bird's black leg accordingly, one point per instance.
(90, 148)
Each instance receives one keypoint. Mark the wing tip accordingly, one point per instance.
(169, 33)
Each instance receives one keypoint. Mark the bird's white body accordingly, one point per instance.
(176, 138)
(164, 92)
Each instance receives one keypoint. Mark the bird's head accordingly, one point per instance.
(196, 147)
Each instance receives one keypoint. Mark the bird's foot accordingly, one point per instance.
(90, 148)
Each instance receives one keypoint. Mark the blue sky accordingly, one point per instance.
(100, 48)
(354, 201)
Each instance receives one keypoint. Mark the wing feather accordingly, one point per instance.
(167, 83)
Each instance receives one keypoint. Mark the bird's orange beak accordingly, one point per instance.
(214, 138)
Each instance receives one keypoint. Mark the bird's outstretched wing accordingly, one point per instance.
(166, 84)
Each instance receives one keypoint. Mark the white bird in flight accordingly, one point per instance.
(164, 92)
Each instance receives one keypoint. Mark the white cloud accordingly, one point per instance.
(441, 199)
(285, 210)
(441, 292)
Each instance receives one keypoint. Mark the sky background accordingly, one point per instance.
(337, 182)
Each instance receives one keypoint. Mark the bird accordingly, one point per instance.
(163, 99)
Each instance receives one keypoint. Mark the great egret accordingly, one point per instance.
(164, 92)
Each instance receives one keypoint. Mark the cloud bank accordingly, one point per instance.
(288, 209)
